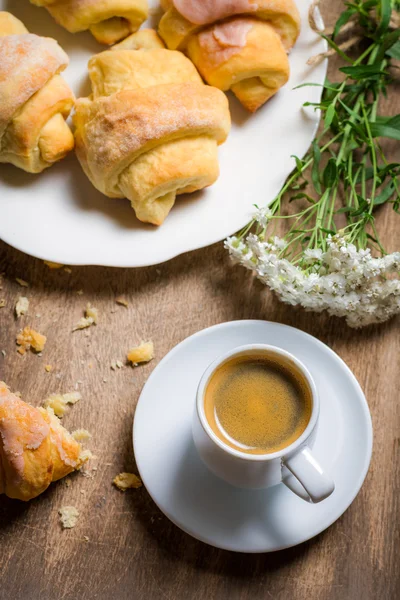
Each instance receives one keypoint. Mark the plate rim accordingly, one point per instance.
(367, 428)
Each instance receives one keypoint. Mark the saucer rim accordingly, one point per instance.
(368, 429)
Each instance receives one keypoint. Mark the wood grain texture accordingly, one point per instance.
(133, 551)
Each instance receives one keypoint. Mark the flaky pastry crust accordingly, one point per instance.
(108, 20)
(34, 98)
(238, 45)
(35, 449)
(151, 128)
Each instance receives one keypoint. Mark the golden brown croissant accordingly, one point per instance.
(108, 20)
(151, 129)
(34, 99)
(237, 45)
(35, 449)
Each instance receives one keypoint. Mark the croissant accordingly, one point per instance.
(108, 20)
(238, 45)
(34, 99)
(35, 449)
(151, 128)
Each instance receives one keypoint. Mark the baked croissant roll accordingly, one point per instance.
(108, 20)
(238, 45)
(35, 449)
(151, 128)
(34, 98)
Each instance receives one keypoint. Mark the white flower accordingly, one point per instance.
(263, 216)
(310, 255)
(344, 281)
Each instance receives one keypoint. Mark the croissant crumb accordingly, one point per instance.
(68, 516)
(116, 364)
(81, 435)
(126, 481)
(21, 282)
(142, 353)
(91, 317)
(2, 303)
(58, 402)
(122, 301)
(52, 265)
(21, 306)
(86, 455)
(29, 338)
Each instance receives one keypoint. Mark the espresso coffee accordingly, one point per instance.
(258, 403)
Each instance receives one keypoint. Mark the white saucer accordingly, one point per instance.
(213, 511)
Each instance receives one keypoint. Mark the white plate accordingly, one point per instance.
(59, 216)
(202, 504)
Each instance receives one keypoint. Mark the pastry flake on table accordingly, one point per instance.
(68, 516)
(21, 306)
(108, 20)
(35, 449)
(81, 435)
(59, 402)
(29, 338)
(91, 317)
(52, 265)
(237, 45)
(142, 353)
(126, 481)
(34, 98)
(151, 128)
(21, 282)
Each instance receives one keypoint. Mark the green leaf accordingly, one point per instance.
(329, 115)
(387, 131)
(363, 207)
(351, 112)
(391, 121)
(329, 176)
(300, 186)
(308, 85)
(394, 122)
(371, 237)
(386, 12)
(302, 195)
(394, 51)
(360, 132)
(315, 168)
(392, 168)
(332, 44)
(385, 194)
(390, 39)
(299, 163)
(342, 20)
(359, 72)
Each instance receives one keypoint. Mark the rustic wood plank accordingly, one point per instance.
(133, 550)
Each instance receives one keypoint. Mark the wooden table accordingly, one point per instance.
(133, 551)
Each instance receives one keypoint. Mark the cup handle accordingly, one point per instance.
(310, 474)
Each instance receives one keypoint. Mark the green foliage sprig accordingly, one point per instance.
(347, 159)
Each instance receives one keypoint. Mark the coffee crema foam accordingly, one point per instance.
(258, 403)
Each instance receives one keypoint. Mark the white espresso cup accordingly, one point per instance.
(262, 470)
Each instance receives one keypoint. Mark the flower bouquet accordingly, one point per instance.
(330, 256)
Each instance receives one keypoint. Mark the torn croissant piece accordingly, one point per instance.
(34, 98)
(151, 128)
(35, 449)
(108, 20)
(238, 45)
